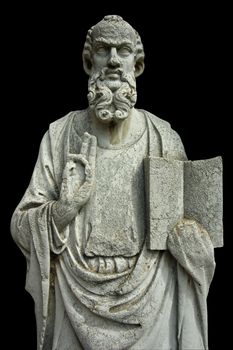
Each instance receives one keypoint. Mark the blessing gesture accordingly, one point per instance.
(77, 183)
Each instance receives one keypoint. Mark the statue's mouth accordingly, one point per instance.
(113, 73)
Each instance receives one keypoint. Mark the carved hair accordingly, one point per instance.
(113, 20)
(108, 105)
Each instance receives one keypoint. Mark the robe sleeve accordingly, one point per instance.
(33, 214)
(35, 233)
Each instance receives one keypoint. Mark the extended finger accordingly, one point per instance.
(92, 153)
(82, 159)
(88, 173)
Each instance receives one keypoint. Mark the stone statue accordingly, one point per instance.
(118, 228)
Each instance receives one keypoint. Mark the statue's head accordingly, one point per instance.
(110, 31)
(113, 57)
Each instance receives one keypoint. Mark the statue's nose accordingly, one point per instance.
(114, 59)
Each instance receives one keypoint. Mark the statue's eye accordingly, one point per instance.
(124, 51)
(102, 50)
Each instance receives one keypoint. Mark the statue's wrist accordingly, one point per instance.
(62, 213)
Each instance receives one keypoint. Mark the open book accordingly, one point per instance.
(183, 189)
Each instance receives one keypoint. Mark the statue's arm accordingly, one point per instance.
(48, 208)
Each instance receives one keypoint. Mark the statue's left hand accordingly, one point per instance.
(190, 244)
(188, 227)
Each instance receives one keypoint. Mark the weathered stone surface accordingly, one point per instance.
(164, 199)
(82, 223)
(183, 189)
(203, 196)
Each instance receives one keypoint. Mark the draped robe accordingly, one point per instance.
(157, 302)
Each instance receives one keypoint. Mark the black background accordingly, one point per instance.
(185, 82)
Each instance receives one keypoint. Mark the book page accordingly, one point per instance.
(176, 190)
(203, 196)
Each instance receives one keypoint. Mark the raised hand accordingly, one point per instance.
(77, 183)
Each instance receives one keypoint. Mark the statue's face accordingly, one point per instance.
(116, 55)
(112, 84)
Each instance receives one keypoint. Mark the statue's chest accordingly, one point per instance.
(117, 220)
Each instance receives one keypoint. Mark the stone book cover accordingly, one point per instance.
(183, 189)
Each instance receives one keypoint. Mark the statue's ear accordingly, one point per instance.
(87, 64)
(139, 67)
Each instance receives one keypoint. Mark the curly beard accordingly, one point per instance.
(111, 105)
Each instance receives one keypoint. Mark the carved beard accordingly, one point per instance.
(111, 105)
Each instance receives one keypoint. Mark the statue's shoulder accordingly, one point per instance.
(162, 126)
(62, 125)
(156, 121)
(172, 146)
